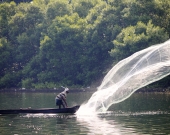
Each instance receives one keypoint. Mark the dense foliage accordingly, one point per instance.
(49, 43)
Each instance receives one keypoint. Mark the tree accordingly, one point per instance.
(135, 38)
(156, 10)
(58, 8)
(6, 11)
(60, 51)
(47, 43)
(24, 32)
(103, 26)
(5, 56)
(8, 75)
(82, 7)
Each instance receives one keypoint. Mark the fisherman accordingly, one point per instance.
(61, 98)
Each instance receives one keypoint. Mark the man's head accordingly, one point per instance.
(66, 90)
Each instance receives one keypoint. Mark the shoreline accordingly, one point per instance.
(49, 90)
(142, 90)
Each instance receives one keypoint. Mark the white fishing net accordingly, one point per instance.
(130, 74)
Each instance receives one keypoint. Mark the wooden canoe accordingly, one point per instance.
(41, 110)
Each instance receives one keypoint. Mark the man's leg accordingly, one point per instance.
(59, 106)
(58, 103)
(63, 104)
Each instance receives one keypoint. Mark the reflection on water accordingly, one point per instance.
(102, 124)
(97, 125)
(140, 114)
(119, 123)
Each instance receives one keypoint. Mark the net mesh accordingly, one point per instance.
(130, 74)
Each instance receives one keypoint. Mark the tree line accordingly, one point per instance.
(49, 43)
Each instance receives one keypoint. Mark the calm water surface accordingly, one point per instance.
(142, 113)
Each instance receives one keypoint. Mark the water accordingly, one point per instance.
(142, 113)
(140, 69)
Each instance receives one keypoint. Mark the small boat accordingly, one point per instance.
(41, 110)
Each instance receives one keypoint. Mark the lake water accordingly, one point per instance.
(142, 113)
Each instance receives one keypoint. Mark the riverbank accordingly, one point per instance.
(154, 90)
(55, 90)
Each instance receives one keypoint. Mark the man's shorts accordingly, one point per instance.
(59, 102)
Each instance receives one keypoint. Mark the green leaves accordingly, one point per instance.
(46, 43)
(58, 8)
(135, 38)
